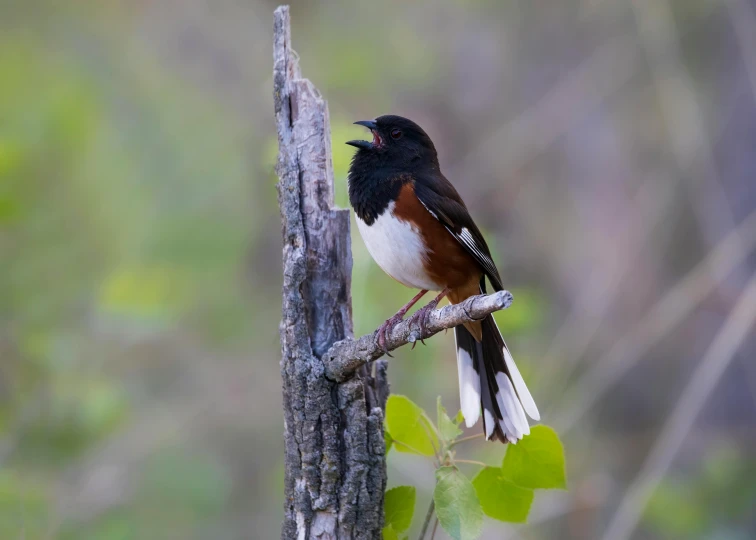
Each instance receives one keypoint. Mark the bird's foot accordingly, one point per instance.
(385, 329)
(420, 317)
(387, 326)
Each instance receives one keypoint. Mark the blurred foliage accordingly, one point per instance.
(715, 502)
(24, 505)
(93, 238)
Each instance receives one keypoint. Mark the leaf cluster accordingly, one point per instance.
(504, 493)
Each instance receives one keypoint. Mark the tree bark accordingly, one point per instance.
(335, 464)
(334, 395)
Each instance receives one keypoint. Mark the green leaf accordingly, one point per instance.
(537, 461)
(457, 505)
(389, 533)
(399, 505)
(500, 498)
(459, 418)
(446, 428)
(409, 427)
(389, 441)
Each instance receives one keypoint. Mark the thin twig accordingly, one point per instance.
(464, 439)
(718, 356)
(470, 461)
(436, 449)
(415, 450)
(435, 526)
(428, 516)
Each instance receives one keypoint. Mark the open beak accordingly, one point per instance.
(371, 125)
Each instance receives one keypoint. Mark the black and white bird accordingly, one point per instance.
(418, 230)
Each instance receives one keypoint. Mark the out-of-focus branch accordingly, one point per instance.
(704, 380)
(673, 307)
(600, 290)
(743, 20)
(344, 357)
(519, 141)
(683, 115)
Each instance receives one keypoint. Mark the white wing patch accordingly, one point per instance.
(428, 209)
(468, 240)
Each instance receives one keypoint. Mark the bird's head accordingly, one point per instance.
(397, 141)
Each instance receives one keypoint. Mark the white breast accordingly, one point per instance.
(398, 249)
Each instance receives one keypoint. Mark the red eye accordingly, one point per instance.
(396, 133)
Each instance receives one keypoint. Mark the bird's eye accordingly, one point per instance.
(396, 133)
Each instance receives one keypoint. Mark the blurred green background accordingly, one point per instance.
(605, 147)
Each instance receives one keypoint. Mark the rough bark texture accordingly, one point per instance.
(333, 401)
(335, 466)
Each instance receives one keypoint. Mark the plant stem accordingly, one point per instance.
(463, 439)
(473, 462)
(435, 526)
(428, 517)
(428, 433)
(398, 443)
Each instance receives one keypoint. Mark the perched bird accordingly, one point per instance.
(418, 230)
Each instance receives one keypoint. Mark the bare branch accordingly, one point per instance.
(344, 357)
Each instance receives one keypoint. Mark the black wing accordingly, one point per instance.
(441, 199)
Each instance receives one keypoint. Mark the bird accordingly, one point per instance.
(418, 230)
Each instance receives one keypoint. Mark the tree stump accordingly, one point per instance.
(335, 453)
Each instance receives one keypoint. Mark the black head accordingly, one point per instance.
(397, 143)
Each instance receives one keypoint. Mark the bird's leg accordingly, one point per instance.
(389, 324)
(421, 315)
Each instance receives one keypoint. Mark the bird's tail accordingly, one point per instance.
(489, 379)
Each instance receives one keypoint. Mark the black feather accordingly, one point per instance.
(441, 199)
(488, 360)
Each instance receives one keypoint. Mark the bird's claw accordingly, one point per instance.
(382, 340)
(420, 317)
(385, 329)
